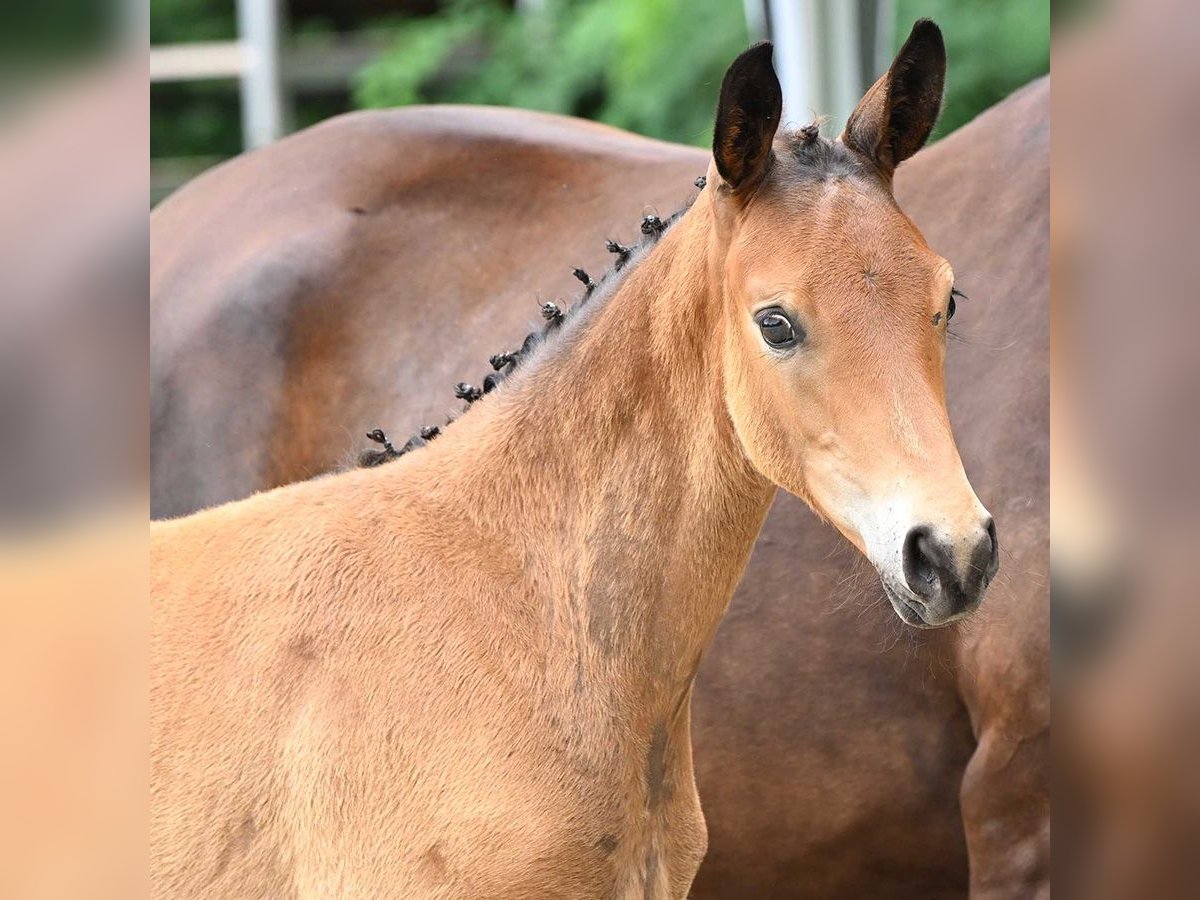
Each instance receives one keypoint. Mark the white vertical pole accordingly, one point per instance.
(792, 23)
(885, 35)
(262, 108)
(756, 19)
(842, 62)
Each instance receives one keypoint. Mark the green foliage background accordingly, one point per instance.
(654, 66)
(992, 48)
(194, 118)
(651, 66)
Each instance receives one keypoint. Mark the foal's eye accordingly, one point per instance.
(951, 306)
(777, 329)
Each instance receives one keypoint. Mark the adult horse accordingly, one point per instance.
(346, 277)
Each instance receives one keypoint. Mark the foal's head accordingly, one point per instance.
(835, 328)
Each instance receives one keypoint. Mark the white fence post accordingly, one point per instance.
(262, 104)
(842, 62)
(756, 19)
(792, 23)
(820, 54)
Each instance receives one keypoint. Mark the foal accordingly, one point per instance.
(467, 673)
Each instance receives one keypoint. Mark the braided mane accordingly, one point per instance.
(505, 363)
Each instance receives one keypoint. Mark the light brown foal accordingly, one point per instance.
(467, 673)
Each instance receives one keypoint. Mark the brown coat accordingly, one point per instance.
(851, 781)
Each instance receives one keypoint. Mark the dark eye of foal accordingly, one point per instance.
(777, 329)
(951, 306)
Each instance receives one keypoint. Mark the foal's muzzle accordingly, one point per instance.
(948, 577)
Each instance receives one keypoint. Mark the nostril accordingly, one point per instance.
(920, 563)
(950, 576)
(993, 562)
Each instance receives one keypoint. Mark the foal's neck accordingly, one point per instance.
(611, 468)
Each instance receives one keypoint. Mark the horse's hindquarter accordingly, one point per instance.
(828, 756)
(871, 725)
(998, 385)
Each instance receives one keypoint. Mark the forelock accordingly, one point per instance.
(804, 153)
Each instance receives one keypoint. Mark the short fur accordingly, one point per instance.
(857, 736)
(818, 158)
(469, 673)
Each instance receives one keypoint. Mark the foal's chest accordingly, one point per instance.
(633, 832)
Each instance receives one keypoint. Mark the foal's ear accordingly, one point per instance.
(893, 120)
(747, 117)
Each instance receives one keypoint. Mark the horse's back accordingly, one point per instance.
(301, 260)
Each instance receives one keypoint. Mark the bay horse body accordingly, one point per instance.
(373, 261)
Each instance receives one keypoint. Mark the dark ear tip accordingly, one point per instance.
(757, 56)
(762, 53)
(747, 116)
(926, 31)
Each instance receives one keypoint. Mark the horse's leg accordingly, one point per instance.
(1005, 801)
(1004, 679)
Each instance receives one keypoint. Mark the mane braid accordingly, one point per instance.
(505, 363)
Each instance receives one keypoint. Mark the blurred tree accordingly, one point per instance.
(196, 118)
(201, 118)
(654, 66)
(651, 66)
(173, 21)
